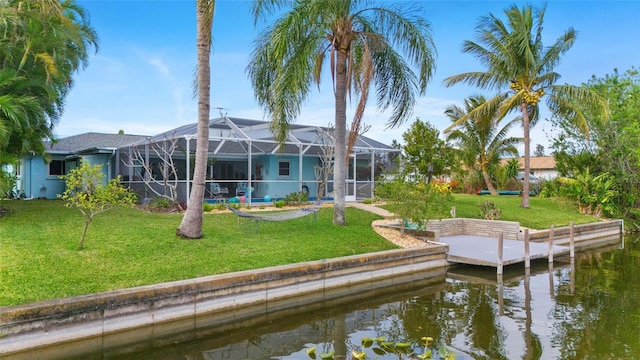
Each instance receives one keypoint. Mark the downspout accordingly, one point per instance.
(31, 174)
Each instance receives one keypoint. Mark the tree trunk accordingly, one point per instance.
(191, 225)
(340, 170)
(487, 180)
(527, 168)
(84, 233)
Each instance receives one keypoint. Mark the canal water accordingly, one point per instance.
(588, 308)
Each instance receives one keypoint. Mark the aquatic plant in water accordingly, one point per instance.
(425, 350)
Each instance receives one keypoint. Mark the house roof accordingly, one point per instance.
(231, 135)
(91, 142)
(536, 162)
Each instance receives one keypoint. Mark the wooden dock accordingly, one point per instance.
(483, 250)
(501, 243)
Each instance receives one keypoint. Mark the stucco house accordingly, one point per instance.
(543, 167)
(244, 159)
(40, 178)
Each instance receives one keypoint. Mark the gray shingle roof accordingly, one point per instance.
(87, 141)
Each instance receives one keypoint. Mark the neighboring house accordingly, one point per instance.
(544, 167)
(39, 177)
(242, 154)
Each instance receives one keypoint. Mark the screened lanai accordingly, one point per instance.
(245, 162)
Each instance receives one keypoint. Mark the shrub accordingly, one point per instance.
(160, 203)
(489, 210)
(279, 203)
(296, 198)
(8, 183)
(367, 201)
(207, 206)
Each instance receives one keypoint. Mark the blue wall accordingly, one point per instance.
(36, 181)
(279, 186)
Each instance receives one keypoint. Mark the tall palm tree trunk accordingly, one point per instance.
(340, 170)
(191, 225)
(487, 180)
(527, 167)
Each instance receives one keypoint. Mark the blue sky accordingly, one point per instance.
(140, 80)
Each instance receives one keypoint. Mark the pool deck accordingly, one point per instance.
(483, 250)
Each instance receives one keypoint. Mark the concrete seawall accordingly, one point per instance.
(584, 235)
(272, 289)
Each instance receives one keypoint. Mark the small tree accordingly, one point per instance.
(416, 201)
(424, 153)
(324, 169)
(86, 191)
(539, 151)
(161, 177)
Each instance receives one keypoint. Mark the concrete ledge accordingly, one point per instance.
(584, 235)
(70, 319)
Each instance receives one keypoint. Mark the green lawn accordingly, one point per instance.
(541, 214)
(129, 247)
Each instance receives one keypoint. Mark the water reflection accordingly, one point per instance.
(587, 308)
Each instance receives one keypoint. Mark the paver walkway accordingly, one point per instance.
(371, 208)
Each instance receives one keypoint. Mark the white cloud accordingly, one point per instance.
(159, 65)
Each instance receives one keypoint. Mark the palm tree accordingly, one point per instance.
(22, 117)
(360, 45)
(480, 139)
(43, 43)
(517, 62)
(191, 225)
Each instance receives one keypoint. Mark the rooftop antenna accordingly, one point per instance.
(221, 114)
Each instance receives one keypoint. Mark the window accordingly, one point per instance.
(284, 168)
(56, 167)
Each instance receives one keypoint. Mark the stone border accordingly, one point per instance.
(58, 321)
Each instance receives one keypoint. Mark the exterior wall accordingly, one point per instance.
(37, 183)
(278, 187)
(106, 161)
(546, 174)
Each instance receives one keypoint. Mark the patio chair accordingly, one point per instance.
(241, 189)
(218, 192)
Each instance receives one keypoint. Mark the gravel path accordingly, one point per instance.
(394, 235)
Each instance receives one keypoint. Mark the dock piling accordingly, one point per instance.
(571, 242)
(500, 294)
(527, 256)
(552, 293)
(551, 244)
(500, 248)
